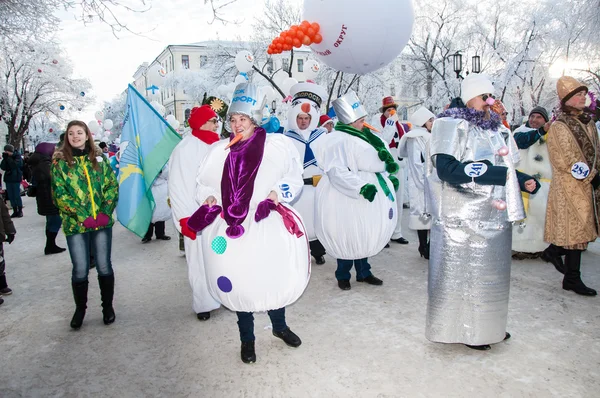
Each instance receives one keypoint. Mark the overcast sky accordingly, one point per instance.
(109, 63)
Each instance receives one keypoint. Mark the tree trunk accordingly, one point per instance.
(269, 80)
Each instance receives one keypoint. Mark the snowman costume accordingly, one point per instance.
(307, 99)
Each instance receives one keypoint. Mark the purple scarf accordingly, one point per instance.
(237, 182)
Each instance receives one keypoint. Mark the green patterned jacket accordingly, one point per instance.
(80, 191)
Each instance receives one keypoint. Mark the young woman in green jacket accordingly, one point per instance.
(85, 191)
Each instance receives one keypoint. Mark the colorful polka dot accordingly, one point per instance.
(224, 284)
(391, 214)
(219, 245)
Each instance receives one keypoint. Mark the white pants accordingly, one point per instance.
(202, 301)
(399, 202)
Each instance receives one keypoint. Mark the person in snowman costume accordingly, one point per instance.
(254, 244)
(303, 118)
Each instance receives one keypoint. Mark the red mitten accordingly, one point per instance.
(90, 223)
(102, 219)
(185, 230)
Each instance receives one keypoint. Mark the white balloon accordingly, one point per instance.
(107, 124)
(171, 119)
(240, 79)
(364, 40)
(159, 108)
(117, 140)
(311, 69)
(175, 124)
(244, 61)
(99, 115)
(269, 92)
(222, 90)
(287, 84)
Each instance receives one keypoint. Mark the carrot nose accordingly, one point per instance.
(392, 112)
(234, 141)
(367, 125)
(305, 107)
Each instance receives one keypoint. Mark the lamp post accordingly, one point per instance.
(476, 64)
(273, 106)
(457, 58)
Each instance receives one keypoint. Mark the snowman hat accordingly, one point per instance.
(309, 91)
(247, 100)
(348, 108)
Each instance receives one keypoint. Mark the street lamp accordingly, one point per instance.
(273, 106)
(476, 64)
(457, 58)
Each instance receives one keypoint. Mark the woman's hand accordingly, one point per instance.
(274, 197)
(530, 185)
(210, 201)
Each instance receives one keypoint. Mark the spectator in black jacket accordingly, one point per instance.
(12, 164)
(7, 234)
(40, 163)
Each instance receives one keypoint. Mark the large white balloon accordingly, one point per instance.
(93, 126)
(107, 124)
(287, 84)
(175, 124)
(244, 61)
(222, 90)
(171, 119)
(364, 40)
(269, 92)
(311, 69)
(99, 115)
(240, 79)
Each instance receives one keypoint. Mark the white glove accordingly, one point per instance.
(392, 120)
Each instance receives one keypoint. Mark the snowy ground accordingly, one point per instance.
(366, 342)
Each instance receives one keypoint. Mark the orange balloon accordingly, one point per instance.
(283, 34)
(289, 40)
(310, 32)
(288, 47)
(300, 34)
(279, 46)
(315, 26)
(297, 43)
(307, 41)
(293, 29)
(305, 24)
(317, 39)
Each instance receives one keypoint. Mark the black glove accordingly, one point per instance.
(4, 155)
(10, 238)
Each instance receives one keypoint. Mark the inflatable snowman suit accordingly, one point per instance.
(307, 100)
(255, 251)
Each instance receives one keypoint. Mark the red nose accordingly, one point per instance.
(305, 107)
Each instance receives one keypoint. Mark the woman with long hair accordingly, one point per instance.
(85, 191)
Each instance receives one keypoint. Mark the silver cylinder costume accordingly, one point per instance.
(470, 257)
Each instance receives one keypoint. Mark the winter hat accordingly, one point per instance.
(388, 102)
(45, 148)
(540, 111)
(247, 100)
(9, 148)
(567, 87)
(475, 84)
(348, 108)
(420, 117)
(200, 115)
(324, 119)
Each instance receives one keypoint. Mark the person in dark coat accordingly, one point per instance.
(40, 163)
(7, 234)
(12, 164)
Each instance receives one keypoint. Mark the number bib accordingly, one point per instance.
(476, 169)
(580, 170)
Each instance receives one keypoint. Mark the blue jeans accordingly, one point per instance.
(80, 246)
(246, 323)
(13, 190)
(363, 269)
(53, 223)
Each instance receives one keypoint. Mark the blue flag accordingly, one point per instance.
(147, 141)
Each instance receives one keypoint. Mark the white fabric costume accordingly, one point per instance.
(183, 165)
(389, 133)
(528, 236)
(348, 225)
(312, 95)
(160, 192)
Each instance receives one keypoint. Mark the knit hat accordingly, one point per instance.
(475, 84)
(324, 119)
(387, 102)
(45, 148)
(247, 100)
(9, 148)
(348, 108)
(200, 115)
(567, 87)
(541, 111)
(420, 117)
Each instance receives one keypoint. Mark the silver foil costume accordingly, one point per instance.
(470, 255)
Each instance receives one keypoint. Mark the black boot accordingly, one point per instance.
(107, 291)
(572, 280)
(80, 290)
(552, 254)
(248, 354)
(423, 244)
(19, 212)
(4, 289)
(51, 247)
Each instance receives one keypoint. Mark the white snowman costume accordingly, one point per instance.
(307, 100)
(267, 265)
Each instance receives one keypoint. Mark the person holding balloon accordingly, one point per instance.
(474, 194)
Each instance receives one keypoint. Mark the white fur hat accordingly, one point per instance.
(475, 84)
(420, 117)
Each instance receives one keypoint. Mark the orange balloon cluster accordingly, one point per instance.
(297, 35)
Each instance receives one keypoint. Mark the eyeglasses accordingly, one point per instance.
(213, 120)
(486, 96)
(504, 114)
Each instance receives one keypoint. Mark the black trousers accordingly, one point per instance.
(316, 248)
(159, 227)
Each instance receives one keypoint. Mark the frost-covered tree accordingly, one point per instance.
(36, 80)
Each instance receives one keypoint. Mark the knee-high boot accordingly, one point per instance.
(423, 243)
(572, 280)
(51, 247)
(80, 290)
(107, 291)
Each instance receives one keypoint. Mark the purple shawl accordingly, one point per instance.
(237, 182)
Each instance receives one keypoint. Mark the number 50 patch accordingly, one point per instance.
(580, 170)
(285, 191)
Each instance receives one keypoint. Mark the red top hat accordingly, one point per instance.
(388, 102)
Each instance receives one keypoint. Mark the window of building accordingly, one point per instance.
(187, 113)
(203, 60)
(185, 61)
(285, 65)
(300, 65)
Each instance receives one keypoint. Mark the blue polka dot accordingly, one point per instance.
(219, 245)
(391, 215)
(224, 284)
